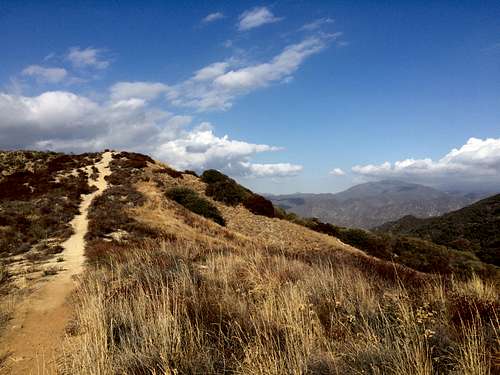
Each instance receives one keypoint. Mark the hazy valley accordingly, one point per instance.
(374, 203)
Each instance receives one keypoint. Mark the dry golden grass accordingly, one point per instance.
(242, 224)
(265, 296)
(178, 308)
(173, 220)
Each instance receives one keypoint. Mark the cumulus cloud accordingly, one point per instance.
(200, 148)
(49, 75)
(337, 172)
(212, 17)
(217, 85)
(65, 121)
(69, 122)
(271, 169)
(24, 120)
(142, 90)
(256, 17)
(88, 57)
(475, 163)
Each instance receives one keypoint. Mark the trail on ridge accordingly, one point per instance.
(35, 333)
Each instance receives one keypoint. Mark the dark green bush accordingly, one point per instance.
(133, 160)
(223, 188)
(192, 173)
(259, 205)
(171, 172)
(195, 203)
(227, 191)
(211, 176)
(379, 246)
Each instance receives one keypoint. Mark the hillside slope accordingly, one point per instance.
(372, 204)
(475, 228)
(196, 275)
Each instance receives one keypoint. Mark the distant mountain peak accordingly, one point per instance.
(373, 203)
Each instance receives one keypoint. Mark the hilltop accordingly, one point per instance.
(196, 274)
(373, 203)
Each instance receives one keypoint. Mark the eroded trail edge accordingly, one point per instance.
(35, 333)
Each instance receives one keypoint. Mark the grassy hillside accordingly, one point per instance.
(171, 291)
(416, 253)
(183, 278)
(474, 229)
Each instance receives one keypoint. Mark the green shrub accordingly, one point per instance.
(211, 176)
(223, 188)
(259, 205)
(227, 191)
(192, 173)
(171, 172)
(379, 246)
(195, 203)
(419, 254)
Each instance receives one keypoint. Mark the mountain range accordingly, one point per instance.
(371, 204)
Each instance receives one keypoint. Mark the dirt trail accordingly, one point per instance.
(35, 333)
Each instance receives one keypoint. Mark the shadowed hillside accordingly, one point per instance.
(475, 228)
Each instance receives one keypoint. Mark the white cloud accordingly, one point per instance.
(476, 162)
(316, 24)
(69, 122)
(271, 169)
(88, 57)
(211, 71)
(212, 17)
(142, 90)
(280, 67)
(133, 103)
(25, 120)
(337, 172)
(50, 75)
(216, 87)
(65, 121)
(200, 148)
(256, 17)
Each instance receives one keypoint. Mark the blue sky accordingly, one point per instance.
(313, 96)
